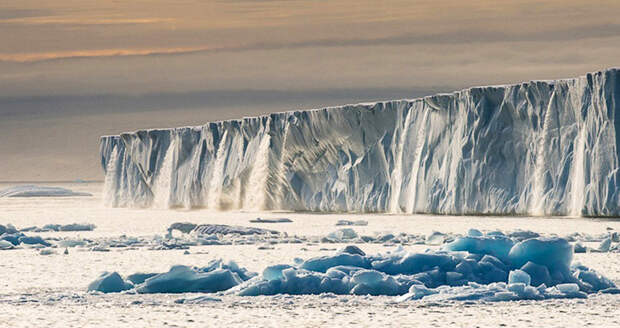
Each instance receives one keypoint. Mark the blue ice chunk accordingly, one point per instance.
(435, 238)
(321, 264)
(474, 233)
(490, 273)
(494, 261)
(232, 266)
(12, 238)
(594, 281)
(138, 278)
(604, 245)
(33, 240)
(109, 282)
(343, 234)
(503, 296)
(368, 277)
(610, 290)
(4, 245)
(579, 248)
(466, 267)
(346, 269)
(497, 246)
(371, 282)
(523, 235)
(415, 263)
(519, 276)
(184, 279)
(352, 249)
(539, 274)
(454, 278)
(274, 272)
(495, 233)
(554, 253)
(568, 288)
(517, 287)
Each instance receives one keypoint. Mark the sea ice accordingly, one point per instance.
(212, 229)
(39, 191)
(351, 223)
(109, 282)
(518, 276)
(440, 275)
(281, 220)
(183, 279)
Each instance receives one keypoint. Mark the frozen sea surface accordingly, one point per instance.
(50, 290)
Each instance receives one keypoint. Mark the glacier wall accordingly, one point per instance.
(535, 148)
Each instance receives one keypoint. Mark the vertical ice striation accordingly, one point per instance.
(538, 148)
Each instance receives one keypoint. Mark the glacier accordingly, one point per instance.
(533, 148)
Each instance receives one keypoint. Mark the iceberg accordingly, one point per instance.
(533, 148)
(40, 191)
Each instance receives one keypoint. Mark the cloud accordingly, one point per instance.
(574, 33)
(81, 54)
(12, 13)
(34, 20)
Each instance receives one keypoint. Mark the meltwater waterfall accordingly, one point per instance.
(534, 148)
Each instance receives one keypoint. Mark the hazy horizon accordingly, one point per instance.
(71, 71)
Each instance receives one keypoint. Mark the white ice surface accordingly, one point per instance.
(49, 290)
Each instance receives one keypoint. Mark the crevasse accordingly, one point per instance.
(534, 148)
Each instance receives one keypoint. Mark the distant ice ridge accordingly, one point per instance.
(535, 148)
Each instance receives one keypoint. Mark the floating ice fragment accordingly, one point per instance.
(554, 253)
(435, 238)
(518, 276)
(4, 245)
(474, 233)
(138, 278)
(604, 245)
(109, 282)
(39, 191)
(184, 279)
(321, 264)
(497, 246)
(343, 234)
(33, 240)
(352, 249)
(198, 300)
(351, 223)
(274, 272)
(281, 220)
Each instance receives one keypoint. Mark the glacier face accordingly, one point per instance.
(535, 148)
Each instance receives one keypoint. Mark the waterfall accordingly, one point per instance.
(110, 187)
(163, 182)
(578, 178)
(255, 187)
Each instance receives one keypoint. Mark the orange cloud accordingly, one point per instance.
(44, 56)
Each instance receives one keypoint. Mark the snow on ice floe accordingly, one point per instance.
(40, 191)
(533, 148)
(487, 268)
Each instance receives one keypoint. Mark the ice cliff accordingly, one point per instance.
(535, 148)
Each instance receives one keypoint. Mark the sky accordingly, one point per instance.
(73, 70)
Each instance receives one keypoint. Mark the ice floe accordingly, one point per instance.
(40, 191)
(491, 267)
